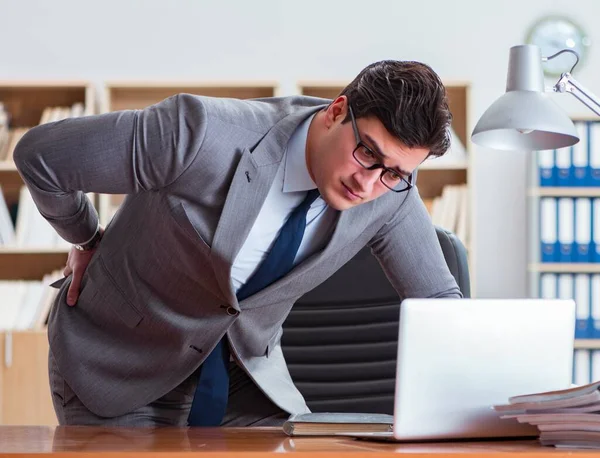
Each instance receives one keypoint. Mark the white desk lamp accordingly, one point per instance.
(525, 118)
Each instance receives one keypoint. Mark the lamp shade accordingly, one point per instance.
(525, 117)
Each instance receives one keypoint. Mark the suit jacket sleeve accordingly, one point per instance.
(409, 252)
(122, 152)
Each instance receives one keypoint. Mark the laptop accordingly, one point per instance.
(459, 357)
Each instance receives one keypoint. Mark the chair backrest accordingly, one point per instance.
(340, 339)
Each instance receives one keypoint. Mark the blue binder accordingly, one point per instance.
(595, 243)
(594, 324)
(548, 229)
(594, 148)
(564, 166)
(566, 229)
(583, 230)
(583, 293)
(580, 156)
(546, 167)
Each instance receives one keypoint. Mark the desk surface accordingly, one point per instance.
(231, 442)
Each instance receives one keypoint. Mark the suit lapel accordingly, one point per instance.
(251, 183)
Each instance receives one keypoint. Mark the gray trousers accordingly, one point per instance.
(247, 405)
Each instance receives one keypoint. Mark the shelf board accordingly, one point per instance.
(565, 267)
(30, 263)
(137, 84)
(125, 95)
(4, 250)
(444, 166)
(564, 192)
(587, 343)
(32, 83)
(8, 166)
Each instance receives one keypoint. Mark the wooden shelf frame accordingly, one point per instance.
(564, 192)
(132, 94)
(565, 267)
(30, 263)
(25, 100)
(25, 397)
(588, 344)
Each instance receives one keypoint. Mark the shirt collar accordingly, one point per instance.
(296, 176)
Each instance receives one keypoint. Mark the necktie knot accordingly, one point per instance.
(311, 196)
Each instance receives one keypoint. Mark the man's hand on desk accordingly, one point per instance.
(77, 262)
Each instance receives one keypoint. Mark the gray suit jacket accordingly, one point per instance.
(157, 294)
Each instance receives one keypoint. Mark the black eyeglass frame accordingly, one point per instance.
(375, 166)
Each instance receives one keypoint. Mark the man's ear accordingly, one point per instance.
(336, 109)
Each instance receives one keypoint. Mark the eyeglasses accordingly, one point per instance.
(366, 157)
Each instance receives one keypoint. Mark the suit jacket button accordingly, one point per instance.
(231, 311)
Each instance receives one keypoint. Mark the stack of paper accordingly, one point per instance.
(565, 418)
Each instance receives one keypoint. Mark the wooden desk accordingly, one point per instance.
(236, 442)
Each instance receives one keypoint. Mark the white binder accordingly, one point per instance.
(563, 166)
(566, 226)
(594, 146)
(548, 286)
(583, 229)
(582, 310)
(580, 156)
(595, 365)
(594, 327)
(566, 288)
(548, 229)
(582, 365)
(545, 162)
(595, 256)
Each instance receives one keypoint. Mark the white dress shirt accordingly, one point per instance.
(288, 190)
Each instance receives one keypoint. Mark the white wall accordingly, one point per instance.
(327, 39)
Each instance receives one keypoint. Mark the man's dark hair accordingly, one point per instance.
(408, 98)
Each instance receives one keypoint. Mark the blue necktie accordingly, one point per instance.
(210, 399)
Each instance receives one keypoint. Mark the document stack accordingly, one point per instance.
(565, 418)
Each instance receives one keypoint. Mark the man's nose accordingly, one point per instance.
(368, 178)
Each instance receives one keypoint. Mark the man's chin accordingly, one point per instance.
(338, 202)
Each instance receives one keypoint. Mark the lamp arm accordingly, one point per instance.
(567, 83)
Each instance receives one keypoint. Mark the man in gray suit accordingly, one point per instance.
(210, 184)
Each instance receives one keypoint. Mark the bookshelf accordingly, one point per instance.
(24, 390)
(25, 102)
(128, 95)
(562, 261)
(24, 385)
(435, 174)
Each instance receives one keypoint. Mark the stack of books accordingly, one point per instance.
(337, 423)
(566, 418)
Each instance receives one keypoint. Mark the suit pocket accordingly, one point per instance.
(183, 220)
(58, 283)
(102, 298)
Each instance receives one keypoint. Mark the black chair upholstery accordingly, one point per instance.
(340, 340)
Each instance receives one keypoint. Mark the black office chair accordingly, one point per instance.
(340, 340)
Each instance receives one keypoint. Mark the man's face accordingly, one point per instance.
(342, 181)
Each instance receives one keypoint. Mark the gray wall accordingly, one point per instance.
(466, 40)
